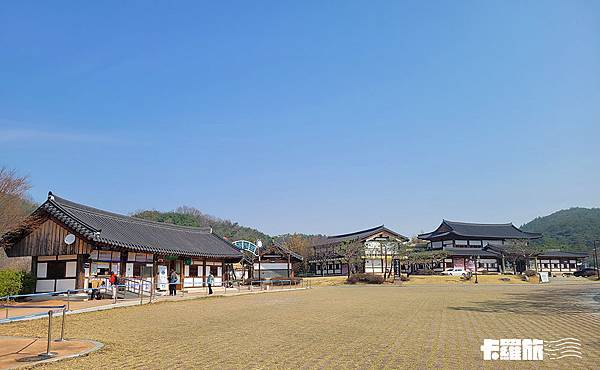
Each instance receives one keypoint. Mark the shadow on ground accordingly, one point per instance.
(546, 301)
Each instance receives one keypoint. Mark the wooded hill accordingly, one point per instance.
(572, 229)
(189, 216)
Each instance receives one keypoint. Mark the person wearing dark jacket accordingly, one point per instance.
(173, 280)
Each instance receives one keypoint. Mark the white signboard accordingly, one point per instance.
(544, 277)
(163, 280)
(269, 266)
(129, 269)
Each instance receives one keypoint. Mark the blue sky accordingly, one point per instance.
(315, 117)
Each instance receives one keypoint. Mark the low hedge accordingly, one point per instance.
(365, 278)
(424, 272)
(16, 282)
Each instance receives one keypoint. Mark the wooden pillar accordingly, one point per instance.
(289, 265)
(204, 272)
(80, 275)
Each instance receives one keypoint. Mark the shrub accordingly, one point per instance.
(530, 273)
(424, 272)
(16, 282)
(404, 278)
(365, 278)
(28, 283)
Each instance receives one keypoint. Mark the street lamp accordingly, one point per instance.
(476, 268)
(258, 246)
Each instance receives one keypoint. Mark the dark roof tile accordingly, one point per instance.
(476, 230)
(138, 234)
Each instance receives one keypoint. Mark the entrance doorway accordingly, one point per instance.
(177, 265)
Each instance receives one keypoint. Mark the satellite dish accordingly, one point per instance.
(70, 239)
(259, 243)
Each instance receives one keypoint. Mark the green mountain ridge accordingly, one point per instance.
(188, 216)
(569, 229)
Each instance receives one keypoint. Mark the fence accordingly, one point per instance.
(52, 310)
(67, 296)
(140, 289)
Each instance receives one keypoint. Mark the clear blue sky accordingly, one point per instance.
(316, 117)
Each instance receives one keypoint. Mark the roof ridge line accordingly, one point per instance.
(356, 232)
(479, 223)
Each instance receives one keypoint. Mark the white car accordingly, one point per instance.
(457, 271)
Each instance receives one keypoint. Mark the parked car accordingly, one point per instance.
(588, 271)
(456, 271)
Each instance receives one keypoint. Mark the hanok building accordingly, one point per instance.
(72, 244)
(378, 241)
(558, 262)
(469, 243)
(276, 262)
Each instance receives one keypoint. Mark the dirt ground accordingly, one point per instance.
(427, 326)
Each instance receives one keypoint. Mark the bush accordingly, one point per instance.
(424, 272)
(404, 278)
(28, 283)
(16, 282)
(365, 278)
(530, 273)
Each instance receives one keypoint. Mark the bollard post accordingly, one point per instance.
(6, 307)
(62, 327)
(50, 313)
(141, 295)
(68, 299)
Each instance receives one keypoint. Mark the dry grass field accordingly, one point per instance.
(339, 327)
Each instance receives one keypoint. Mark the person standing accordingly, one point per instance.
(210, 281)
(114, 282)
(173, 279)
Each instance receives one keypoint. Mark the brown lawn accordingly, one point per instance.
(338, 327)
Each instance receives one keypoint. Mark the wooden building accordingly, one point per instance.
(488, 247)
(72, 244)
(275, 262)
(558, 262)
(327, 258)
(468, 244)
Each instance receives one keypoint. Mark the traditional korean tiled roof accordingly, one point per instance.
(357, 235)
(563, 254)
(278, 248)
(452, 229)
(137, 234)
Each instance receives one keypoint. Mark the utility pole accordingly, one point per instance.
(596, 260)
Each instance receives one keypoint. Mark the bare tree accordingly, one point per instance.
(299, 244)
(518, 250)
(352, 252)
(13, 206)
